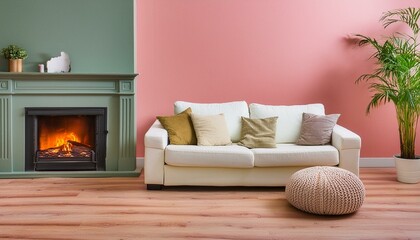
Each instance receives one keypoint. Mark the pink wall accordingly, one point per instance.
(264, 51)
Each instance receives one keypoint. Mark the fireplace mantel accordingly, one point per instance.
(65, 76)
(112, 91)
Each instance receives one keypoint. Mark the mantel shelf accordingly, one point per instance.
(67, 76)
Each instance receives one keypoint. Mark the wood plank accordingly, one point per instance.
(122, 208)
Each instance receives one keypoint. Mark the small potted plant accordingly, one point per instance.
(15, 55)
(396, 79)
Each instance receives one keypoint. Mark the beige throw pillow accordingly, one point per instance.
(258, 133)
(317, 129)
(211, 130)
(180, 128)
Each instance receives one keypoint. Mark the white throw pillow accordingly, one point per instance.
(233, 111)
(211, 130)
(289, 120)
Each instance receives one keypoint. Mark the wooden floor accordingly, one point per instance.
(121, 208)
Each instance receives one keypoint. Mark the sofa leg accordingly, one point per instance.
(154, 187)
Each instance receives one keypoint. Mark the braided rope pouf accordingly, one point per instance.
(325, 191)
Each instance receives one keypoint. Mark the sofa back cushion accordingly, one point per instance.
(233, 111)
(289, 120)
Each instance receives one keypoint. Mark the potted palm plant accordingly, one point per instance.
(396, 79)
(15, 55)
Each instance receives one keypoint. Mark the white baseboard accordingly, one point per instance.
(364, 162)
(140, 162)
(377, 162)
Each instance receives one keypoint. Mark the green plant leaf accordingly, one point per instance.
(396, 77)
(14, 52)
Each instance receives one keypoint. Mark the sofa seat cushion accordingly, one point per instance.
(292, 155)
(231, 156)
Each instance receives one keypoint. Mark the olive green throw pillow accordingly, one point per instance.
(180, 128)
(258, 133)
(316, 129)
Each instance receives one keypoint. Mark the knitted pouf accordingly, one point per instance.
(325, 191)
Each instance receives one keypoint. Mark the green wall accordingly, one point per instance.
(98, 35)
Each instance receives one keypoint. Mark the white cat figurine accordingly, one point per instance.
(59, 64)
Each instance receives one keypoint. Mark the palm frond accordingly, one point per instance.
(409, 16)
(376, 101)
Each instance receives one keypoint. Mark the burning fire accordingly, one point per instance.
(63, 141)
(65, 137)
(67, 145)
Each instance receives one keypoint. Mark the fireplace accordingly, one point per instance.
(65, 139)
(103, 105)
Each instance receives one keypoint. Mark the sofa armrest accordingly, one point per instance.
(348, 144)
(156, 136)
(155, 142)
(343, 138)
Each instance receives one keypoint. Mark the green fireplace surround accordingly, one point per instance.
(115, 92)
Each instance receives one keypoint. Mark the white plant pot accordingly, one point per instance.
(408, 170)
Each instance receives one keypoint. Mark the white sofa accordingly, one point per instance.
(234, 165)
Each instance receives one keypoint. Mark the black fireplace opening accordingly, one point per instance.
(65, 139)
